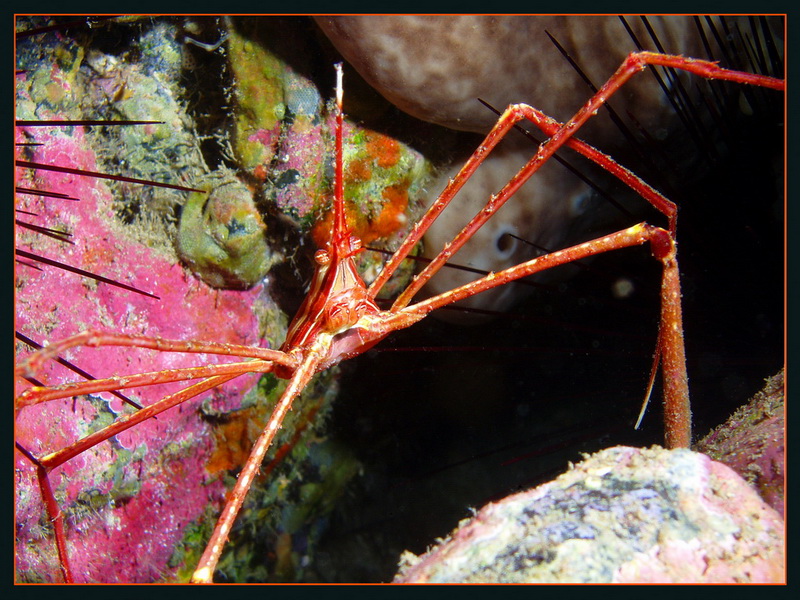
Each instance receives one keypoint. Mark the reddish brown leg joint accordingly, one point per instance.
(677, 412)
(53, 511)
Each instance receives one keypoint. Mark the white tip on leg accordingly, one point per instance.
(339, 85)
(202, 575)
(645, 403)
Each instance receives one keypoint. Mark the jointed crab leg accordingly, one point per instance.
(560, 135)
(33, 363)
(54, 512)
(49, 462)
(512, 115)
(670, 349)
(339, 318)
(205, 568)
(670, 344)
(127, 421)
(36, 394)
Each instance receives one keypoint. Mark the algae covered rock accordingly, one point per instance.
(622, 515)
(751, 442)
(222, 236)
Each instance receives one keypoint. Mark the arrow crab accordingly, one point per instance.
(339, 319)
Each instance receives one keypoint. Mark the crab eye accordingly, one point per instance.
(355, 244)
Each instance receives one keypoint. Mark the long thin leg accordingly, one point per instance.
(46, 464)
(510, 117)
(671, 346)
(127, 421)
(205, 569)
(53, 511)
(37, 395)
(670, 351)
(92, 338)
(561, 135)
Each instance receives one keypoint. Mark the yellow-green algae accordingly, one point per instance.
(222, 237)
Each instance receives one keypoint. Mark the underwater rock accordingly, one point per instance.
(222, 236)
(160, 454)
(283, 140)
(434, 67)
(139, 507)
(623, 515)
(751, 442)
(147, 88)
(259, 102)
(294, 127)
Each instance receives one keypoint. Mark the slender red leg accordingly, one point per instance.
(46, 464)
(205, 568)
(670, 350)
(340, 320)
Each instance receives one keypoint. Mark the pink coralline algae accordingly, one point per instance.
(139, 506)
(283, 137)
(153, 474)
(623, 515)
(751, 442)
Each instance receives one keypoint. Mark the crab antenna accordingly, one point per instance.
(340, 224)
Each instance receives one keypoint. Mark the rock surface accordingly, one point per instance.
(434, 67)
(623, 515)
(752, 442)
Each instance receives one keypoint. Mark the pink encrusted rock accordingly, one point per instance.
(134, 504)
(751, 442)
(153, 475)
(623, 515)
